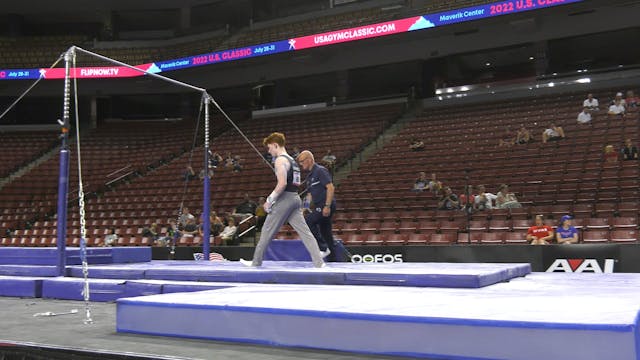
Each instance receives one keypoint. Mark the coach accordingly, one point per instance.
(320, 191)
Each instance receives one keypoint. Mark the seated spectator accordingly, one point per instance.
(619, 99)
(261, 213)
(421, 183)
(229, 231)
(506, 199)
(484, 200)
(190, 228)
(539, 233)
(267, 156)
(584, 116)
(329, 160)
(112, 238)
(151, 232)
(629, 151)
(201, 174)
(246, 207)
(434, 184)
(214, 160)
(591, 103)
(228, 161)
(416, 145)
(189, 174)
(523, 135)
(467, 195)
(617, 108)
(566, 233)
(507, 139)
(216, 224)
(235, 163)
(295, 152)
(631, 100)
(610, 156)
(185, 217)
(167, 238)
(449, 200)
(553, 133)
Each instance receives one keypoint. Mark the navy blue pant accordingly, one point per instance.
(321, 229)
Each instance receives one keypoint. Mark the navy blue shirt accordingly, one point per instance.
(317, 182)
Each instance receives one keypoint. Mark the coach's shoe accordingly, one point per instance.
(247, 263)
(324, 254)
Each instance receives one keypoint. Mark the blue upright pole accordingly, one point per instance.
(63, 177)
(207, 182)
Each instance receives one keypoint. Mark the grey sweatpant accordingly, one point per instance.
(287, 209)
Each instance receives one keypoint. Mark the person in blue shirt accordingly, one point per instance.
(566, 233)
(320, 196)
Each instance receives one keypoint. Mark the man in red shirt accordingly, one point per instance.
(540, 234)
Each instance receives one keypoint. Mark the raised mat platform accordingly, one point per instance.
(292, 272)
(542, 316)
(49, 255)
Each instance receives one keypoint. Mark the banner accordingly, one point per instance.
(305, 42)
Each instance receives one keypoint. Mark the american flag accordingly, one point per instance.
(213, 256)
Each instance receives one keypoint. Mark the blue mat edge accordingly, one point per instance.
(387, 318)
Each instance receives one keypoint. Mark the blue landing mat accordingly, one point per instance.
(541, 316)
(21, 286)
(49, 256)
(111, 290)
(290, 272)
(28, 270)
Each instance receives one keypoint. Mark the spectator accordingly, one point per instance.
(507, 139)
(422, 182)
(268, 157)
(201, 174)
(631, 100)
(629, 151)
(566, 233)
(151, 232)
(295, 152)
(618, 106)
(216, 224)
(584, 116)
(539, 233)
(214, 160)
(434, 185)
(467, 195)
(619, 99)
(229, 231)
(246, 207)
(185, 217)
(329, 160)
(610, 156)
(190, 228)
(228, 161)
(590, 103)
(506, 199)
(523, 135)
(416, 145)
(449, 200)
(112, 238)
(189, 174)
(261, 213)
(553, 133)
(484, 200)
(235, 163)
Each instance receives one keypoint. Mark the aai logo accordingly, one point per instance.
(581, 265)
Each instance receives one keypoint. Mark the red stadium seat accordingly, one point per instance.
(595, 236)
(516, 237)
(624, 236)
